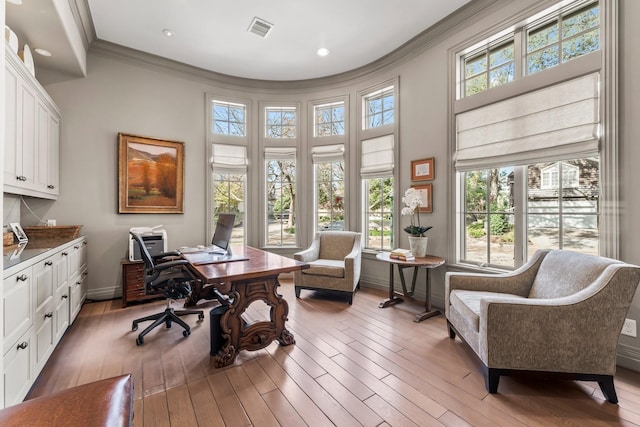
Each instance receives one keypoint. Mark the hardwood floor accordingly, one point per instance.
(351, 365)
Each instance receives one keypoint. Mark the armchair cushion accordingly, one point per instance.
(326, 267)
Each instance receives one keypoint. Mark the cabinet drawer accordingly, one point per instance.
(18, 311)
(19, 361)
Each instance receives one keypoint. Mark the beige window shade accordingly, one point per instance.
(546, 124)
(280, 153)
(377, 157)
(229, 158)
(327, 153)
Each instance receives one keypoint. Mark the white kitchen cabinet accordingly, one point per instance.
(32, 134)
(40, 301)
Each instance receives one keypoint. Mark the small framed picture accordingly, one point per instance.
(423, 170)
(426, 194)
(19, 232)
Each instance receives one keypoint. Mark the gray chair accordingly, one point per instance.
(334, 258)
(562, 313)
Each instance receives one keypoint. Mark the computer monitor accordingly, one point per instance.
(222, 234)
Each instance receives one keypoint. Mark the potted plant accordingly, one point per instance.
(412, 200)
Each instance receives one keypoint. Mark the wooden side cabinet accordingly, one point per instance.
(133, 283)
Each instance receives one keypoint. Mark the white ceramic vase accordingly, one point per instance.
(418, 245)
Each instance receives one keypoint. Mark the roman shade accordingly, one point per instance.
(377, 157)
(558, 121)
(327, 153)
(279, 153)
(229, 158)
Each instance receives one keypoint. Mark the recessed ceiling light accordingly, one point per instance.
(167, 32)
(18, 2)
(323, 51)
(43, 52)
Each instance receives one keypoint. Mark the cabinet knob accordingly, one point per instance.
(65, 253)
(21, 178)
(48, 315)
(65, 296)
(84, 242)
(51, 187)
(48, 263)
(76, 247)
(23, 345)
(21, 278)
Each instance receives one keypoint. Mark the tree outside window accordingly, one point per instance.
(378, 215)
(281, 202)
(229, 197)
(330, 193)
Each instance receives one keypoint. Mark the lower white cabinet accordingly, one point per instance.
(19, 360)
(40, 302)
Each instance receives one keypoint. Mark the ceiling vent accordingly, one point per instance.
(260, 27)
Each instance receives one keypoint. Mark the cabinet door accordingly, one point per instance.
(17, 310)
(11, 128)
(26, 136)
(41, 179)
(61, 294)
(19, 362)
(43, 283)
(53, 184)
(45, 337)
(77, 290)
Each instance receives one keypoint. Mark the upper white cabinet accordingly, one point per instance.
(32, 134)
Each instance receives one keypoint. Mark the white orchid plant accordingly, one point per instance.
(412, 200)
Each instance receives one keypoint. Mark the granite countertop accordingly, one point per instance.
(16, 254)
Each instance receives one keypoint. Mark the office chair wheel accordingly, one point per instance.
(201, 316)
(139, 341)
(134, 327)
(186, 333)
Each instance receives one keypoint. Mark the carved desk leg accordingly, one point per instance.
(240, 335)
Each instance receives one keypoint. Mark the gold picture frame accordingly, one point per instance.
(426, 193)
(423, 169)
(150, 175)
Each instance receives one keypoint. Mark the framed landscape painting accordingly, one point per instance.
(150, 175)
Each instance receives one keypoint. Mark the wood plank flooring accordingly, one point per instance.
(351, 365)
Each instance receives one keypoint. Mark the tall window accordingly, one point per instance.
(563, 38)
(379, 108)
(280, 167)
(228, 118)
(528, 165)
(377, 162)
(329, 187)
(280, 122)
(228, 183)
(328, 119)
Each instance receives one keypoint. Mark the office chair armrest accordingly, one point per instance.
(171, 264)
(165, 255)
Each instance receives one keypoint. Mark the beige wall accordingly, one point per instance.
(126, 96)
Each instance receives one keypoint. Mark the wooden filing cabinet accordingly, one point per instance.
(133, 283)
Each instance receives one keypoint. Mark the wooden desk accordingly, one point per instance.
(244, 282)
(429, 262)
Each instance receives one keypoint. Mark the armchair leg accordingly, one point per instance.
(608, 389)
(452, 331)
(297, 292)
(491, 379)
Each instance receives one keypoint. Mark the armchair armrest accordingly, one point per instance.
(517, 282)
(352, 262)
(310, 254)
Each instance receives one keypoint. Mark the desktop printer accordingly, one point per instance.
(154, 238)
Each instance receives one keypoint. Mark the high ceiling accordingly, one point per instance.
(212, 35)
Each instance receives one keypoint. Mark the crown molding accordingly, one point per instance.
(405, 52)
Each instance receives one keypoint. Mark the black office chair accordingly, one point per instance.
(165, 273)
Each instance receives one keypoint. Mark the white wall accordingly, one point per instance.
(126, 96)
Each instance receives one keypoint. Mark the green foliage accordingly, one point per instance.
(476, 229)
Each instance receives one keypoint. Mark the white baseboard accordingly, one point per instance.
(106, 293)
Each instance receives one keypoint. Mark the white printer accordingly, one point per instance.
(154, 238)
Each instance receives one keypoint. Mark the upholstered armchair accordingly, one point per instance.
(562, 312)
(334, 258)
